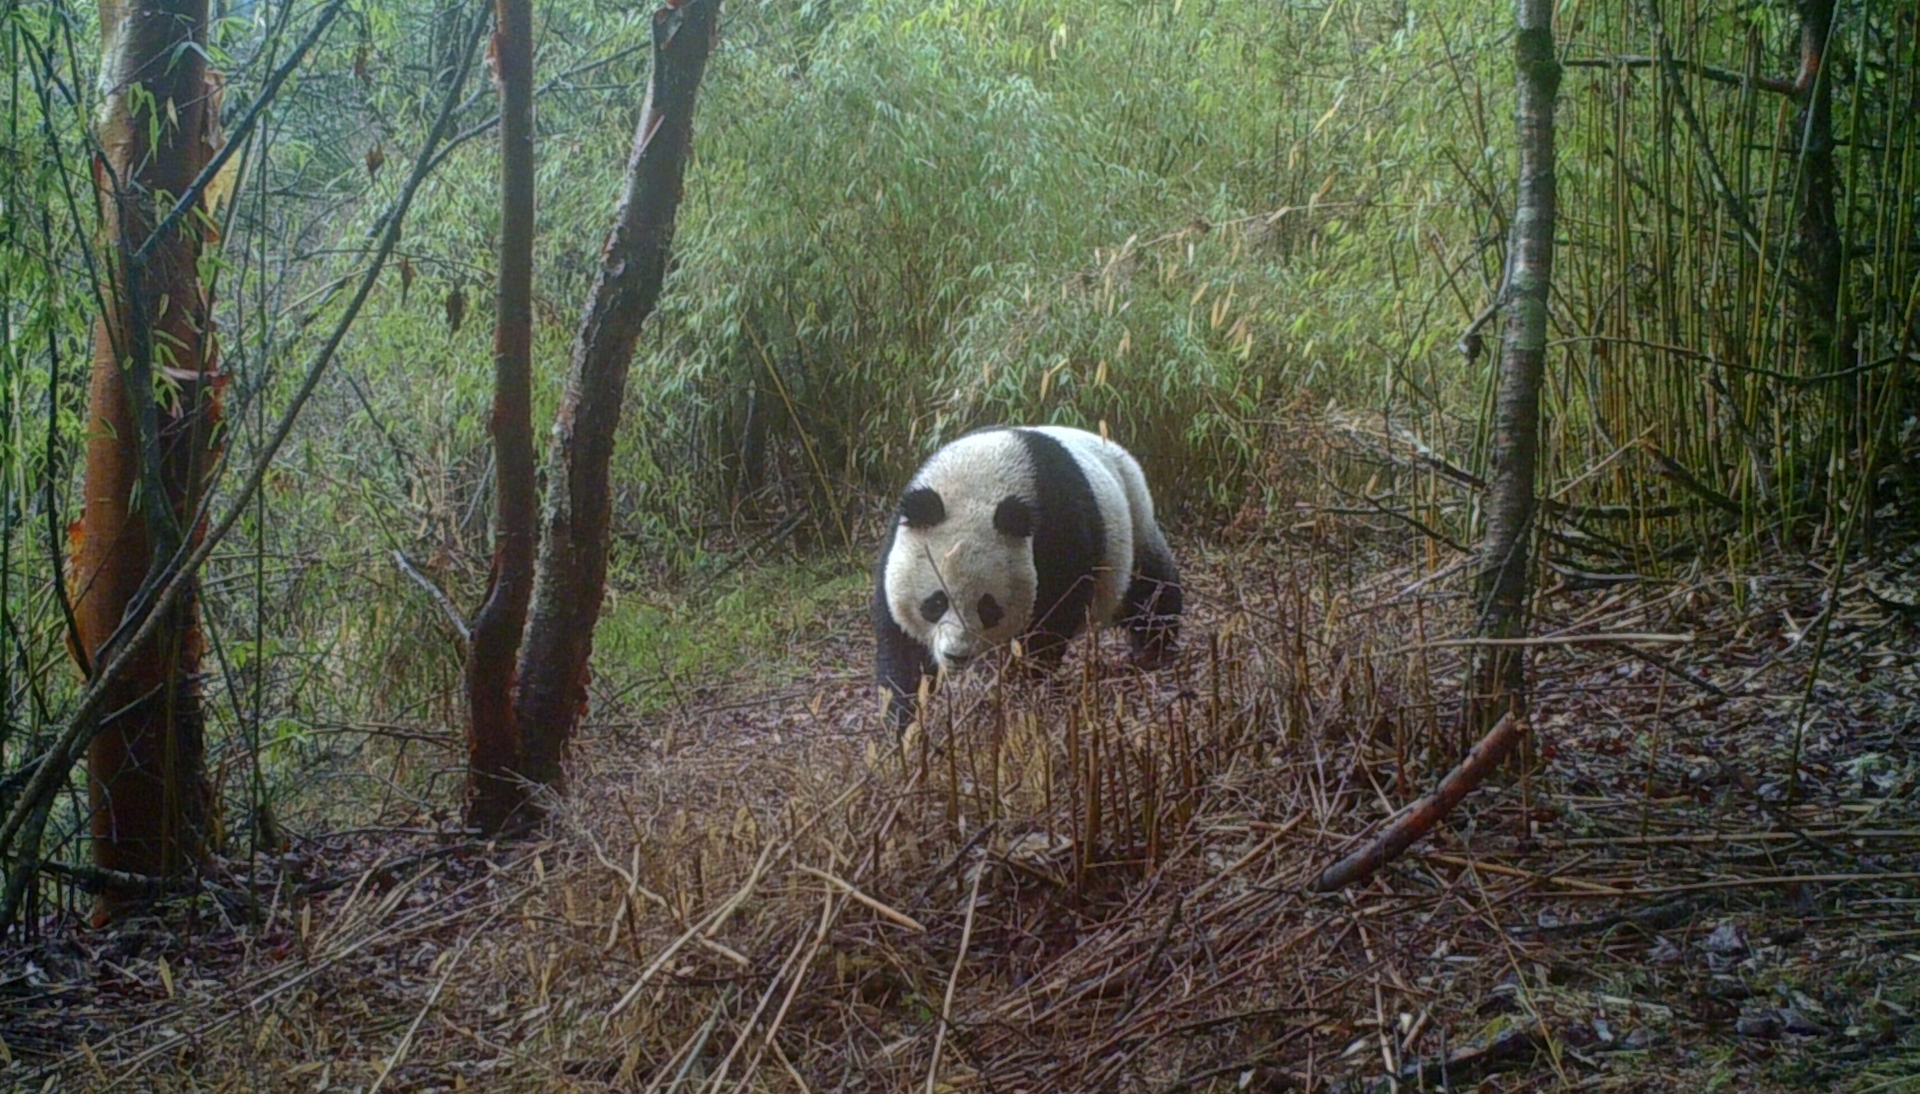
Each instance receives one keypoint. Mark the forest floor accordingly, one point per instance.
(1097, 883)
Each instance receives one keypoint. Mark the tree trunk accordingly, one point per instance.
(1819, 232)
(633, 263)
(152, 410)
(1499, 678)
(493, 760)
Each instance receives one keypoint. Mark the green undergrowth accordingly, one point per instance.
(753, 626)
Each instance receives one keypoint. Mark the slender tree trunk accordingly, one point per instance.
(633, 264)
(1819, 231)
(152, 410)
(1499, 677)
(493, 744)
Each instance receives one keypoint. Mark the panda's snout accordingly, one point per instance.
(959, 660)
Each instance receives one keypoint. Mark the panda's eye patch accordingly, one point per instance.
(921, 507)
(991, 613)
(933, 607)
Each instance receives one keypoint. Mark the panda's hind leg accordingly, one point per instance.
(1151, 608)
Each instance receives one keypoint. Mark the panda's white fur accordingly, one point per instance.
(1093, 529)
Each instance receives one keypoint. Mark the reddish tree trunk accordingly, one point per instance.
(633, 263)
(147, 458)
(493, 740)
(1498, 680)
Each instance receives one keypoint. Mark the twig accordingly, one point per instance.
(953, 978)
(1706, 72)
(1673, 469)
(1753, 883)
(1415, 822)
(1681, 839)
(1735, 206)
(829, 915)
(934, 878)
(848, 888)
(1657, 917)
(746, 1028)
(436, 594)
(1153, 958)
(1469, 341)
(237, 139)
(93, 879)
(1672, 669)
(696, 1044)
(453, 964)
(1524, 875)
(713, 919)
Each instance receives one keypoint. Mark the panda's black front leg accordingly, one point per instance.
(900, 664)
(1152, 606)
(1045, 643)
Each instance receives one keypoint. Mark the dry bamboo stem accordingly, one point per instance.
(719, 915)
(902, 918)
(453, 964)
(953, 978)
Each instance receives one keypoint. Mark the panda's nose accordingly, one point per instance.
(959, 660)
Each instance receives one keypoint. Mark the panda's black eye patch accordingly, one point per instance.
(922, 507)
(933, 607)
(991, 613)
(1013, 517)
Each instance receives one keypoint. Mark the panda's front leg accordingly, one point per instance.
(900, 664)
(1045, 643)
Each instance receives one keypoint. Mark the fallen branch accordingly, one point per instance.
(1690, 482)
(1706, 72)
(1750, 883)
(1552, 640)
(1659, 917)
(1417, 821)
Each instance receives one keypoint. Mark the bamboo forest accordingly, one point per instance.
(1141, 546)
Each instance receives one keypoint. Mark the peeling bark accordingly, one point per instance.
(633, 264)
(1498, 681)
(152, 412)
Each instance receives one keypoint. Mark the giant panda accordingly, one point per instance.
(1018, 533)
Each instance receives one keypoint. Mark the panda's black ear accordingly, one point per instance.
(1013, 517)
(922, 507)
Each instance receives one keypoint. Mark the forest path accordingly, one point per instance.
(1095, 883)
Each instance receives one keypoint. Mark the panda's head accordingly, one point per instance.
(960, 578)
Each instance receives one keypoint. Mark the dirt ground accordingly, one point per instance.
(1098, 883)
